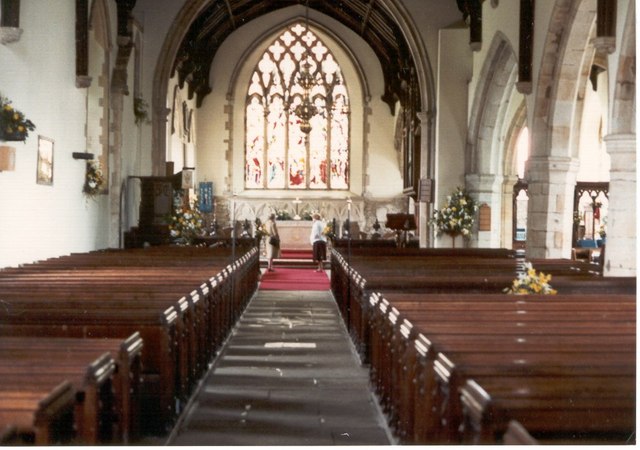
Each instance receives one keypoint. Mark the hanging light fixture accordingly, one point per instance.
(306, 109)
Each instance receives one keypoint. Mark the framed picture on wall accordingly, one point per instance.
(44, 169)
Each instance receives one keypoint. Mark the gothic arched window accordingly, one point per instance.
(278, 153)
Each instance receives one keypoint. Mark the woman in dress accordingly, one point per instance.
(273, 251)
(319, 242)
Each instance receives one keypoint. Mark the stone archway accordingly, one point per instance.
(567, 55)
(510, 174)
(192, 9)
(484, 152)
(410, 33)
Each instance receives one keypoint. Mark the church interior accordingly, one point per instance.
(464, 157)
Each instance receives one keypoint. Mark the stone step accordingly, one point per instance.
(292, 263)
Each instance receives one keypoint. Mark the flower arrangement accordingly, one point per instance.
(14, 126)
(187, 223)
(328, 231)
(457, 214)
(531, 282)
(94, 179)
(260, 230)
(282, 214)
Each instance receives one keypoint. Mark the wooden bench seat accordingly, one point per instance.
(490, 343)
(183, 302)
(603, 417)
(40, 415)
(159, 331)
(37, 358)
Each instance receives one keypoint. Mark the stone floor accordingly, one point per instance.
(288, 375)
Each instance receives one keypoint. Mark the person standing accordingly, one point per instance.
(318, 241)
(273, 245)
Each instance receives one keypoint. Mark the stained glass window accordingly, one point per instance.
(278, 153)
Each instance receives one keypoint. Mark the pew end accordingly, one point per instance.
(476, 427)
(516, 434)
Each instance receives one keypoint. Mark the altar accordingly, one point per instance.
(294, 234)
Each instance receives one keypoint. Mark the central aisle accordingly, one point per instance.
(287, 376)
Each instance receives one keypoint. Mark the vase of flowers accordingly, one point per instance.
(329, 231)
(531, 282)
(14, 126)
(457, 215)
(94, 179)
(260, 231)
(283, 214)
(186, 223)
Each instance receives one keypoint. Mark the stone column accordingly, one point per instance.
(425, 206)
(551, 182)
(486, 189)
(507, 212)
(115, 172)
(620, 253)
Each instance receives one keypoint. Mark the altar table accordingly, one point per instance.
(294, 234)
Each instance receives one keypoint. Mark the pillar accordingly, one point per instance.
(507, 213)
(487, 189)
(620, 250)
(551, 181)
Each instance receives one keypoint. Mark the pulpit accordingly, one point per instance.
(156, 207)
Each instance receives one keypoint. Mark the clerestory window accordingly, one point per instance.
(279, 154)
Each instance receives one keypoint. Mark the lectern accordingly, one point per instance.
(401, 223)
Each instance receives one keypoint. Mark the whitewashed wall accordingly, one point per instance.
(38, 75)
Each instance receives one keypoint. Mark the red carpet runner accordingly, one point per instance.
(286, 279)
(296, 254)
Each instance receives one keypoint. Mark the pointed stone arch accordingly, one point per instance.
(518, 122)
(498, 78)
(193, 8)
(485, 146)
(567, 56)
(99, 68)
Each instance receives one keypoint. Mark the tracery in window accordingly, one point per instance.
(278, 154)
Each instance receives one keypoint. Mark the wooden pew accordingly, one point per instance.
(453, 329)
(93, 385)
(353, 281)
(137, 290)
(194, 324)
(20, 357)
(604, 418)
(40, 415)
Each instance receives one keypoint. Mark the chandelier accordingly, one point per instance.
(306, 109)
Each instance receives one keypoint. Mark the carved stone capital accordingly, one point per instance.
(524, 87)
(9, 35)
(606, 44)
(83, 81)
